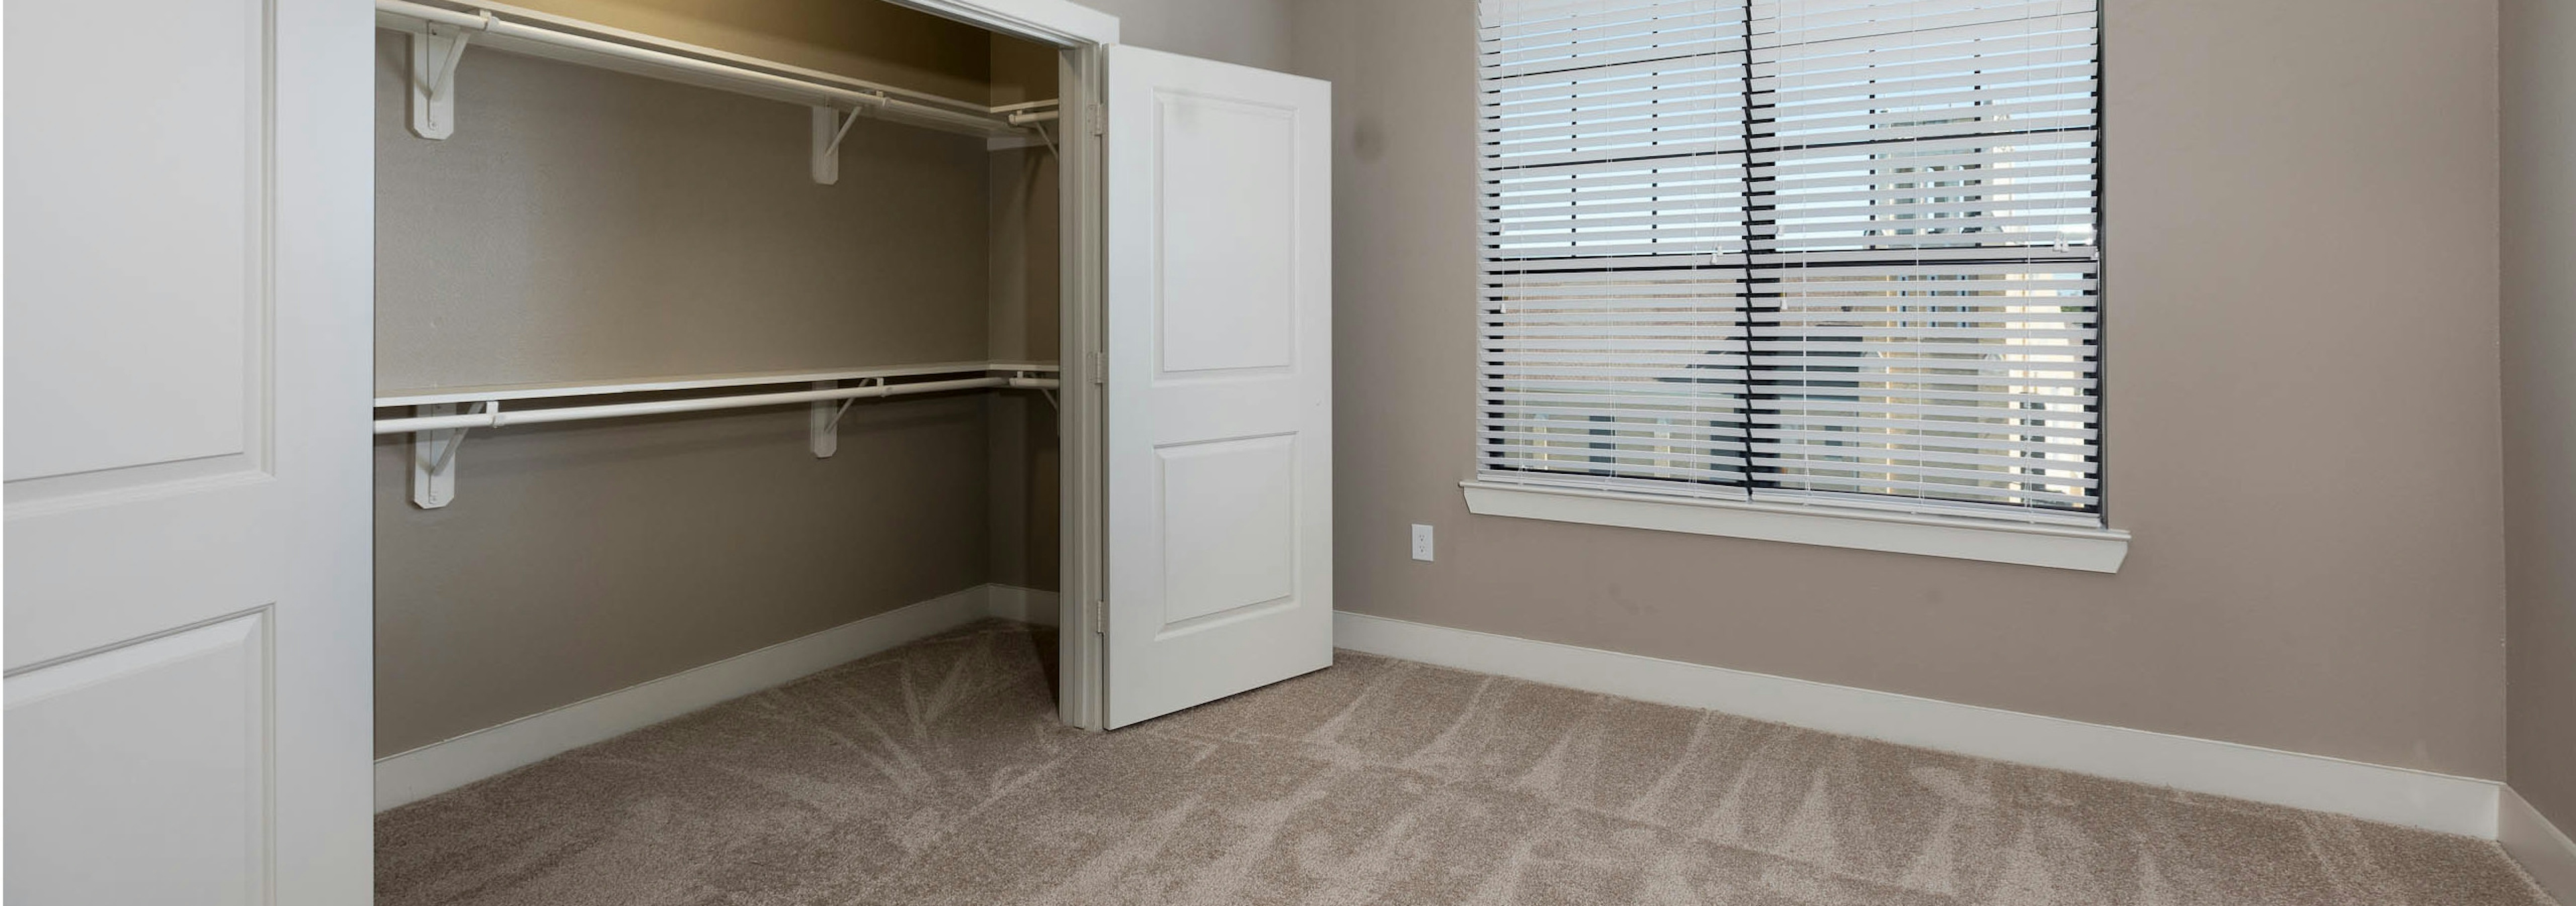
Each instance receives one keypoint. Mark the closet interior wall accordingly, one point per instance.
(1027, 300)
(588, 225)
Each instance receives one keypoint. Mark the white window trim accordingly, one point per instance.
(2054, 546)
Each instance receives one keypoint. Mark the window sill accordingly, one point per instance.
(2056, 547)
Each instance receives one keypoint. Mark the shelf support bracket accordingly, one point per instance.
(433, 457)
(830, 127)
(434, 55)
(824, 418)
(1048, 392)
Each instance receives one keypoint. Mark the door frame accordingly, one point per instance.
(1082, 34)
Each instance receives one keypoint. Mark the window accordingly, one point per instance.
(1821, 253)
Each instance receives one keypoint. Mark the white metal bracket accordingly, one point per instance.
(1045, 386)
(830, 127)
(433, 457)
(434, 55)
(823, 418)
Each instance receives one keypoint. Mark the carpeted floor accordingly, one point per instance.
(937, 773)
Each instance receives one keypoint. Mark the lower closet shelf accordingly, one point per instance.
(438, 428)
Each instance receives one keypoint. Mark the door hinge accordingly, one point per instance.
(1091, 117)
(1098, 364)
(1097, 616)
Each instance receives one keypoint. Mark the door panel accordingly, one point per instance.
(189, 376)
(1230, 512)
(172, 337)
(1219, 381)
(157, 747)
(1228, 295)
(121, 552)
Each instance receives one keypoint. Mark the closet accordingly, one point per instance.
(708, 330)
(540, 255)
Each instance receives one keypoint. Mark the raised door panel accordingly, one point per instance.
(1226, 246)
(138, 774)
(134, 178)
(1229, 530)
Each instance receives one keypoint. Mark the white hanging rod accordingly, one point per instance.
(492, 417)
(437, 428)
(507, 392)
(1027, 376)
(690, 64)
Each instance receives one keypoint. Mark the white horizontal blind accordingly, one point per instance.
(1614, 266)
(1804, 250)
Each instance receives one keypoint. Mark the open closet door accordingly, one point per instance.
(188, 350)
(1220, 499)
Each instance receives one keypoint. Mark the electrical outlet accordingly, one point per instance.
(1421, 542)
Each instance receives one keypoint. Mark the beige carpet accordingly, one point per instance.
(937, 774)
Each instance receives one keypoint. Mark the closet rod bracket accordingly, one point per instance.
(435, 51)
(824, 417)
(433, 455)
(830, 127)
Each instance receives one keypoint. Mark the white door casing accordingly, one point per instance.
(1219, 323)
(188, 212)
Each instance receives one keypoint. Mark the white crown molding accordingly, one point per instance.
(2441, 802)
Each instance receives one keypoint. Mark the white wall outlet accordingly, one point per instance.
(1421, 541)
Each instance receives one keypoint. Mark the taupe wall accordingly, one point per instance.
(583, 224)
(587, 225)
(2302, 404)
(1027, 302)
(1023, 209)
(1025, 501)
(1249, 32)
(2539, 88)
(584, 558)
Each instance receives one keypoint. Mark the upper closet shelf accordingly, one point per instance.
(441, 34)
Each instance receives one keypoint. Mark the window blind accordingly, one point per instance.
(1821, 251)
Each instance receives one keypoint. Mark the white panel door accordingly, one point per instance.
(1219, 381)
(187, 283)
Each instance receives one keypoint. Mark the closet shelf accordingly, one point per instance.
(441, 33)
(509, 392)
(438, 426)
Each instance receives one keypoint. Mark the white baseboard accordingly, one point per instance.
(1026, 605)
(442, 766)
(2540, 846)
(2457, 805)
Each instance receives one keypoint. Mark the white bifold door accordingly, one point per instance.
(1219, 309)
(187, 281)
